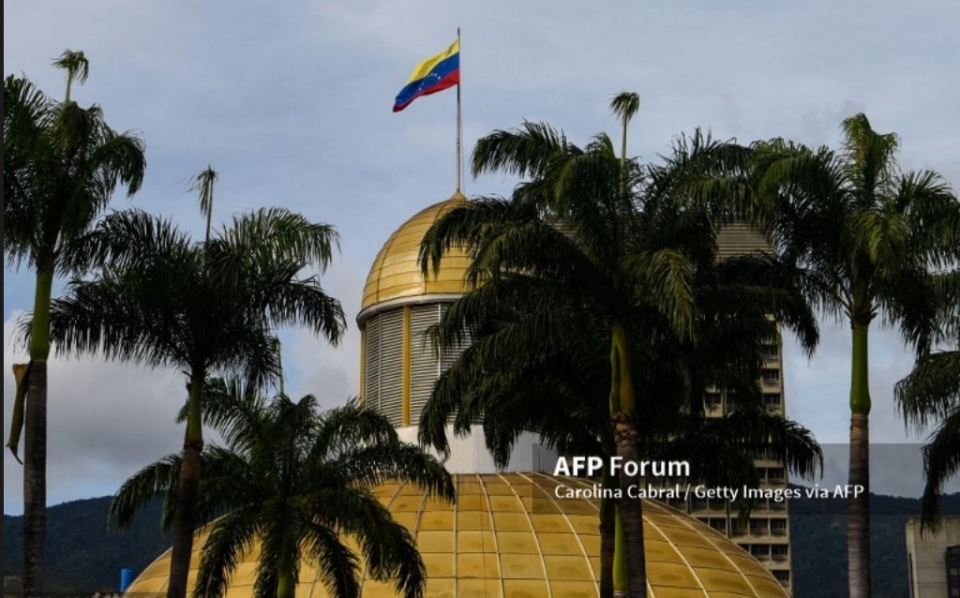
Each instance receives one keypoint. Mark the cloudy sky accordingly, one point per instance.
(291, 102)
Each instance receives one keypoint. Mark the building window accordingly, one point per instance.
(782, 576)
(780, 551)
(771, 399)
(712, 399)
(771, 377)
(953, 571)
(760, 551)
(778, 527)
(719, 524)
(769, 350)
(758, 527)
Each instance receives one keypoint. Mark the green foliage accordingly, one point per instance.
(165, 301)
(61, 166)
(930, 396)
(598, 258)
(554, 282)
(868, 239)
(162, 300)
(866, 234)
(82, 555)
(294, 479)
(204, 184)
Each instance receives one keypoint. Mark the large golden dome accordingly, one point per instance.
(508, 536)
(396, 275)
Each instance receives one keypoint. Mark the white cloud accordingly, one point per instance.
(105, 422)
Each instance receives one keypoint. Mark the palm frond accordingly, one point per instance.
(203, 184)
(378, 464)
(625, 105)
(271, 234)
(342, 429)
(230, 538)
(158, 480)
(75, 64)
(526, 151)
(388, 548)
(931, 392)
(339, 569)
(665, 280)
(941, 461)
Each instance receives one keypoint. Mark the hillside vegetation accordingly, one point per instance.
(84, 557)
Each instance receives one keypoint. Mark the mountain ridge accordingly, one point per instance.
(84, 558)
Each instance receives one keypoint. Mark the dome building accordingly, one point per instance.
(508, 535)
(398, 367)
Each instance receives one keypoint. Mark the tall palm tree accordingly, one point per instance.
(602, 248)
(865, 235)
(549, 383)
(299, 482)
(588, 233)
(201, 307)
(930, 395)
(61, 166)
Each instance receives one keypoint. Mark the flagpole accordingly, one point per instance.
(459, 124)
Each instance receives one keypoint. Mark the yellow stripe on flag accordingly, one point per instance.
(424, 67)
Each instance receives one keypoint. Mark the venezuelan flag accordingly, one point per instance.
(430, 76)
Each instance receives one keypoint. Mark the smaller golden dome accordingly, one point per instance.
(396, 274)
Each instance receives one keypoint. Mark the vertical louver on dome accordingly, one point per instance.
(424, 364)
(400, 304)
(385, 345)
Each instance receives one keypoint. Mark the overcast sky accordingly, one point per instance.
(291, 103)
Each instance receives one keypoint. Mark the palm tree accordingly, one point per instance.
(865, 236)
(61, 165)
(931, 394)
(165, 301)
(299, 482)
(548, 384)
(590, 234)
(602, 251)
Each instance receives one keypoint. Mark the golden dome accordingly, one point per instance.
(508, 536)
(396, 274)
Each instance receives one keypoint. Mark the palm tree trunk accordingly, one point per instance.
(608, 526)
(609, 523)
(35, 481)
(35, 441)
(607, 547)
(287, 584)
(189, 490)
(626, 440)
(621, 580)
(631, 511)
(858, 506)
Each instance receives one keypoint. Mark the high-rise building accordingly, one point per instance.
(933, 559)
(767, 534)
